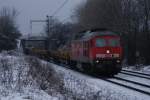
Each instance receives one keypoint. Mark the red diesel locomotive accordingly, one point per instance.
(98, 51)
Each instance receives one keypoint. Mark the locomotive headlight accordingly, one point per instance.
(97, 61)
(118, 61)
(107, 51)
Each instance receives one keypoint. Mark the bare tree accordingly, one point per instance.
(59, 33)
(8, 29)
(100, 13)
(130, 18)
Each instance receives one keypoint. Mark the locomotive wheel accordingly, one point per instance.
(118, 69)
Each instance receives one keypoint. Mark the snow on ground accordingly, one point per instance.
(139, 68)
(145, 69)
(15, 84)
(90, 87)
(30, 94)
(131, 84)
(134, 78)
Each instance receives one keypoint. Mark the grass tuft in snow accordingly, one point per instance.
(44, 75)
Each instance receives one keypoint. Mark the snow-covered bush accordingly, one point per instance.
(12, 70)
(19, 74)
(44, 75)
(15, 52)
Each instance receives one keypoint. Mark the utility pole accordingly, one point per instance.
(48, 24)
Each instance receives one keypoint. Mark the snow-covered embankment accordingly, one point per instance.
(27, 78)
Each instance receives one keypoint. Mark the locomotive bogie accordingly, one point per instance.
(108, 66)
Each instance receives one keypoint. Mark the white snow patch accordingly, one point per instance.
(30, 94)
(13, 72)
(76, 85)
(82, 85)
(143, 69)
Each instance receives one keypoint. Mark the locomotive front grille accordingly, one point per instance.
(107, 55)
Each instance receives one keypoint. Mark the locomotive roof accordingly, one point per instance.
(88, 35)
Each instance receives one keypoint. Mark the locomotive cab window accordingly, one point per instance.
(100, 42)
(113, 42)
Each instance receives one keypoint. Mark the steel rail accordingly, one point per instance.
(129, 87)
(132, 74)
(117, 83)
(136, 72)
(118, 78)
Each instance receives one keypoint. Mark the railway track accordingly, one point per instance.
(136, 86)
(132, 85)
(136, 74)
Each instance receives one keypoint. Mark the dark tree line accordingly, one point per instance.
(129, 18)
(9, 32)
(59, 33)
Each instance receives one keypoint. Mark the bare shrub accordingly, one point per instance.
(5, 73)
(44, 75)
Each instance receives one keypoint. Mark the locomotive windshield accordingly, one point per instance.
(100, 42)
(113, 42)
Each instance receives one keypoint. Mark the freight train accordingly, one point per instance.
(97, 51)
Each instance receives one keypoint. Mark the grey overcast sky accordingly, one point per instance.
(38, 9)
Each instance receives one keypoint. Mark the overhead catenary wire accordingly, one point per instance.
(57, 10)
(48, 17)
